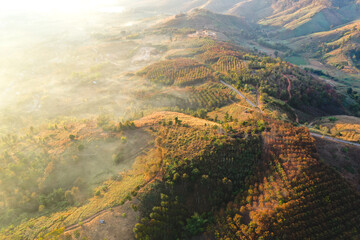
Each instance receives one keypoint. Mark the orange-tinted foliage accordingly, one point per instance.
(181, 72)
(293, 196)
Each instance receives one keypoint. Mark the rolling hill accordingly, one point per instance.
(338, 47)
(215, 146)
(291, 18)
(309, 16)
(201, 19)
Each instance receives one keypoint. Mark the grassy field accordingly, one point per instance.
(297, 60)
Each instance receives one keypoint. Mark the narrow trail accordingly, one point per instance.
(290, 96)
(289, 87)
(92, 217)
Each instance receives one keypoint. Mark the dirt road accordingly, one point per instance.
(335, 139)
(241, 95)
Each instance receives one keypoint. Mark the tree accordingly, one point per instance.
(201, 113)
(118, 158)
(195, 225)
(177, 121)
(276, 53)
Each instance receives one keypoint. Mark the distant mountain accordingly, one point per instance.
(292, 17)
(303, 17)
(300, 17)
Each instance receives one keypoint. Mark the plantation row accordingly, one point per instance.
(206, 97)
(180, 72)
(272, 78)
(203, 169)
(209, 98)
(293, 197)
(347, 132)
(229, 63)
(212, 52)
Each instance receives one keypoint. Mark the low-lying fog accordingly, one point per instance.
(69, 59)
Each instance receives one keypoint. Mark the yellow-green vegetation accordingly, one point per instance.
(181, 72)
(57, 168)
(280, 84)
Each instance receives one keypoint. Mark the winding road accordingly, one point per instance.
(334, 139)
(241, 95)
(312, 134)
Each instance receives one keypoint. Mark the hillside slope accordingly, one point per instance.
(339, 47)
(294, 197)
(309, 16)
(200, 167)
(201, 19)
(292, 18)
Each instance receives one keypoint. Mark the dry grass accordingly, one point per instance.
(238, 110)
(157, 117)
(344, 127)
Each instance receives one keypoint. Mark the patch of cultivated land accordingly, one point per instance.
(343, 127)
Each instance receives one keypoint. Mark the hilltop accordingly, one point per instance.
(201, 19)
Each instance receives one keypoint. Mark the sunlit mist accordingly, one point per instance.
(59, 6)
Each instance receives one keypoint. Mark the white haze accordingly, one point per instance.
(56, 58)
(64, 6)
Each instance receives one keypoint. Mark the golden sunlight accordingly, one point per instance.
(57, 6)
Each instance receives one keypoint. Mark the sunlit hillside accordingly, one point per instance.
(196, 119)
